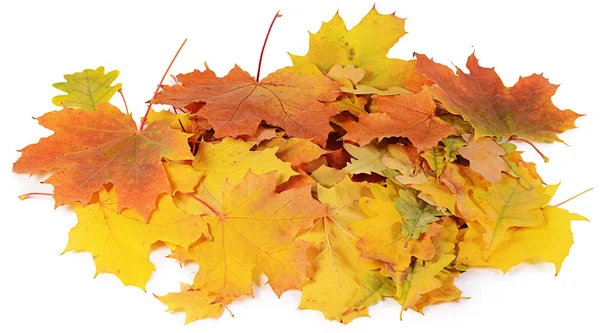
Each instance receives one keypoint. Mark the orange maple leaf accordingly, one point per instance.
(236, 104)
(524, 110)
(410, 116)
(92, 148)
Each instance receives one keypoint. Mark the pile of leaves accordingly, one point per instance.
(350, 176)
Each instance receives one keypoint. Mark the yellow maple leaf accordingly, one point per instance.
(253, 227)
(507, 204)
(120, 242)
(337, 288)
(364, 46)
(550, 242)
(196, 303)
(230, 160)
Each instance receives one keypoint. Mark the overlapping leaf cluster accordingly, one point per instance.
(350, 176)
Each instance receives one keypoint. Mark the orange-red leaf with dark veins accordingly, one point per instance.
(524, 110)
(236, 104)
(89, 149)
(407, 115)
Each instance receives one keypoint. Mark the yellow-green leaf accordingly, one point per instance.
(85, 90)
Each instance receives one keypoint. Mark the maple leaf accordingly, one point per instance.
(120, 242)
(365, 46)
(350, 176)
(196, 303)
(293, 99)
(253, 227)
(410, 116)
(230, 160)
(416, 213)
(485, 156)
(524, 110)
(508, 204)
(550, 241)
(337, 287)
(88, 89)
(89, 149)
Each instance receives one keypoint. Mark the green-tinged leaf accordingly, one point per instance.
(416, 213)
(436, 158)
(420, 279)
(451, 146)
(367, 159)
(85, 90)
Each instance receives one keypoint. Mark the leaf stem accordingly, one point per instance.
(27, 195)
(124, 101)
(214, 211)
(573, 197)
(160, 84)
(264, 45)
(181, 124)
(544, 157)
(226, 308)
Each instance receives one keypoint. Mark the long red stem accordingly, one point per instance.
(27, 195)
(160, 84)
(124, 101)
(544, 157)
(573, 197)
(214, 211)
(264, 45)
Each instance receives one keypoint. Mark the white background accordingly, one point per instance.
(40, 290)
